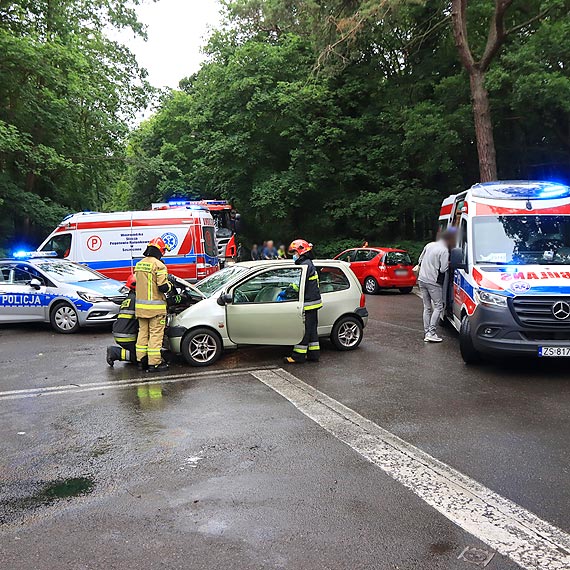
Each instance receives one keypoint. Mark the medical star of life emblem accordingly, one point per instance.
(561, 310)
(170, 239)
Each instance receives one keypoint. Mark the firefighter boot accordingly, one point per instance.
(113, 353)
(162, 367)
(143, 364)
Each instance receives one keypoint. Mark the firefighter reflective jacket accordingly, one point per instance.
(126, 327)
(312, 298)
(152, 284)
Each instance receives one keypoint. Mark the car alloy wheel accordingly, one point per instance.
(203, 347)
(370, 285)
(348, 334)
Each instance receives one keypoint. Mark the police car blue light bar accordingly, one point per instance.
(33, 254)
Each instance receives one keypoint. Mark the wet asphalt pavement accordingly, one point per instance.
(216, 470)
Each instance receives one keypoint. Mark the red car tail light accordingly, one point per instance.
(362, 300)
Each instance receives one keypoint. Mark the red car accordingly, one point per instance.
(381, 268)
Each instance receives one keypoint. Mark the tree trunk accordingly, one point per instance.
(483, 126)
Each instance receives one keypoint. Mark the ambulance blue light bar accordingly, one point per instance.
(33, 254)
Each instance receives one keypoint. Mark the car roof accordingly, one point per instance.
(278, 262)
(379, 249)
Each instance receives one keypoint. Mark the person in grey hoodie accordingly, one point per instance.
(434, 262)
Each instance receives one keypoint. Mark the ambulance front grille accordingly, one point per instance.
(538, 311)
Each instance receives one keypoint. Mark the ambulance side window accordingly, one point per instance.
(61, 244)
(463, 239)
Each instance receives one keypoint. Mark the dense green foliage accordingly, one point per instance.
(365, 146)
(341, 144)
(67, 94)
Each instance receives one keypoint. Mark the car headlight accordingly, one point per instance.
(91, 297)
(486, 298)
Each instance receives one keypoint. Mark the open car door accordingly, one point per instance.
(267, 308)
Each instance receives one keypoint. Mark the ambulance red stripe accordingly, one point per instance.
(487, 209)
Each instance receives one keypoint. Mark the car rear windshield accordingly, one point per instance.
(398, 258)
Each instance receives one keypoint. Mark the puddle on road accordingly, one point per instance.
(48, 494)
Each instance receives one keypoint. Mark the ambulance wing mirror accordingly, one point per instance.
(225, 299)
(35, 284)
(457, 259)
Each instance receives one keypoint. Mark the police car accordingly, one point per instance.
(38, 287)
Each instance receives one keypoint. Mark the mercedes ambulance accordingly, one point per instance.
(113, 243)
(510, 288)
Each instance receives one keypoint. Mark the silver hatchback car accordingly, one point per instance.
(245, 304)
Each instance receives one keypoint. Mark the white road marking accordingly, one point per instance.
(148, 379)
(509, 529)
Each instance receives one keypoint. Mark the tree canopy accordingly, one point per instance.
(336, 120)
(357, 139)
(67, 96)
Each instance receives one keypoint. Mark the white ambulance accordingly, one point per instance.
(510, 288)
(113, 243)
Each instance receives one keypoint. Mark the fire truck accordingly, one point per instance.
(509, 285)
(226, 221)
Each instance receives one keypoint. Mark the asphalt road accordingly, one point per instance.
(217, 469)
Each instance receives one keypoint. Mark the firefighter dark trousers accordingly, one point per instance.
(149, 340)
(309, 347)
(126, 351)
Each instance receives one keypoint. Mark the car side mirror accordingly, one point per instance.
(35, 284)
(457, 260)
(225, 299)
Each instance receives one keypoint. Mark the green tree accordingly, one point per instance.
(67, 95)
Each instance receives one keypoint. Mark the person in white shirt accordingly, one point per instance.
(434, 262)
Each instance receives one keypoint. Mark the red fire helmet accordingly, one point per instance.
(300, 246)
(158, 242)
(131, 282)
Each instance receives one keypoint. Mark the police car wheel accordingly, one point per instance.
(468, 352)
(201, 347)
(370, 286)
(347, 333)
(64, 318)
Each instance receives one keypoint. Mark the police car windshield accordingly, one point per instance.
(522, 240)
(67, 272)
(218, 280)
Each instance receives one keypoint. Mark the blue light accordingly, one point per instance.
(554, 191)
(21, 254)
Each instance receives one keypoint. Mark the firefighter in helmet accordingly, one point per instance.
(150, 306)
(125, 329)
(308, 348)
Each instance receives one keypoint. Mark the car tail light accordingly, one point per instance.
(362, 300)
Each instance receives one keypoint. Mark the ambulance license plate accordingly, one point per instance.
(554, 351)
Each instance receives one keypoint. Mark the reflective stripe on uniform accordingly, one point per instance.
(314, 346)
(308, 307)
(126, 339)
(124, 315)
(301, 349)
(149, 302)
(315, 276)
(161, 305)
(123, 354)
(141, 348)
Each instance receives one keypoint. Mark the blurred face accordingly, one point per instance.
(269, 244)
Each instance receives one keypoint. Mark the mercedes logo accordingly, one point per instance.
(561, 310)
